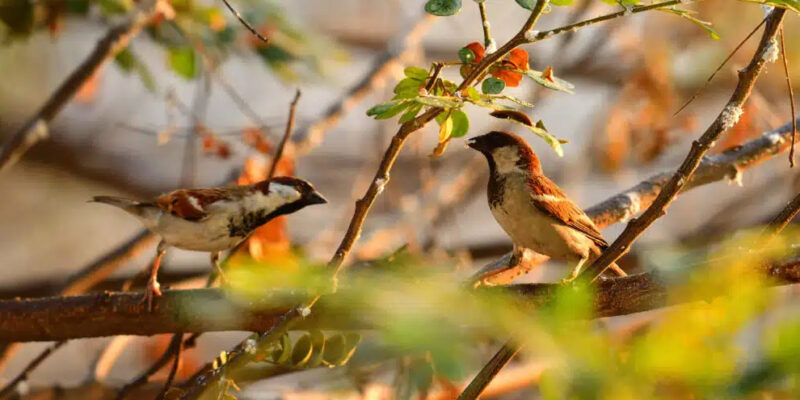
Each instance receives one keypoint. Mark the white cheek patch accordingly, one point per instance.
(286, 193)
(505, 159)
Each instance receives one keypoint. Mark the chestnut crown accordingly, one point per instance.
(506, 151)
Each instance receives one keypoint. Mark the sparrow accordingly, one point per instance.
(532, 209)
(213, 219)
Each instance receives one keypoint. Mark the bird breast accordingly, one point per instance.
(531, 228)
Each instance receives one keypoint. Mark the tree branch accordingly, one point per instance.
(395, 52)
(726, 119)
(288, 133)
(116, 39)
(122, 313)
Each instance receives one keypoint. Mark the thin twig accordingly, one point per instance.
(785, 216)
(538, 36)
(725, 61)
(173, 371)
(117, 38)
(489, 371)
(396, 51)
(244, 22)
(724, 121)
(22, 376)
(174, 344)
(791, 97)
(286, 135)
(487, 33)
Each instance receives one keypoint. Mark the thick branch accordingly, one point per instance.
(94, 315)
(116, 39)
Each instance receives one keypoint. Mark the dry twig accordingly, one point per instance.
(724, 121)
(286, 135)
(116, 39)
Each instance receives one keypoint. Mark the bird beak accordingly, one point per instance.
(316, 198)
(473, 143)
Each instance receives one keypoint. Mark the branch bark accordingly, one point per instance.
(117, 38)
(122, 313)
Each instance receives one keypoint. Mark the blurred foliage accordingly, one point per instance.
(720, 343)
(199, 29)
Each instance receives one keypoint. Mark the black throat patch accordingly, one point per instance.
(244, 224)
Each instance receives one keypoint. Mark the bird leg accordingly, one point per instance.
(215, 256)
(517, 256)
(576, 271)
(153, 288)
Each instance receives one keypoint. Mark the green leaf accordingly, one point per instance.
(284, 351)
(493, 85)
(527, 4)
(491, 105)
(318, 348)
(129, 62)
(416, 73)
(411, 113)
(397, 109)
(384, 107)
(539, 130)
(302, 351)
(556, 84)
(460, 123)
(407, 88)
(492, 97)
(443, 8)
(439, 101)
(183, 61)
(466, 55)
(473, 94)
(340, 348)
(686, 14)
(77, 6)
(112, 7)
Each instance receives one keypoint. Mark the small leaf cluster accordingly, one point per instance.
(425, 88)
(311, 350)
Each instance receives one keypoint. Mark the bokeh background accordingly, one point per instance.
(195, 113)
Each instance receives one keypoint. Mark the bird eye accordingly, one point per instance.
(174, 202)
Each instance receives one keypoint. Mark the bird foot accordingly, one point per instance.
(152, 291)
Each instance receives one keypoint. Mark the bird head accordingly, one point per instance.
(506, 153)
(295, 190)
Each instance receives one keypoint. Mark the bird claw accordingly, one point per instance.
(568, 281)
(152, 291)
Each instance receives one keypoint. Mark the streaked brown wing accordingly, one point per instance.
(191, 204)
(555, 203)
